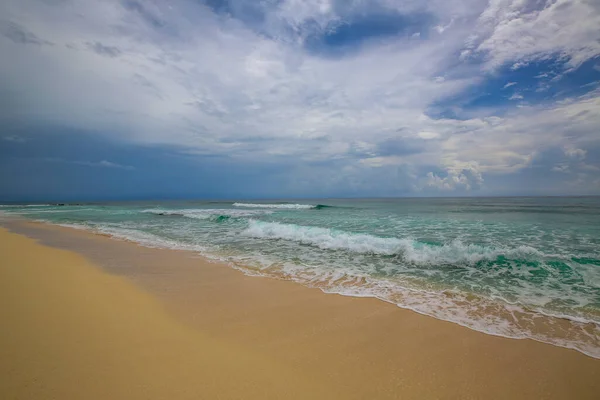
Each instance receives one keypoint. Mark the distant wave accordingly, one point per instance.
(177, 213)
(323, 206)
(219, 215)
(282, 206)
(410, 250)
(26, 205)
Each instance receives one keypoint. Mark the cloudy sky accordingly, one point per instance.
(291, 98)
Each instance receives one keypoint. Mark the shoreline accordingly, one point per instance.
(556, 330)
(375, 349)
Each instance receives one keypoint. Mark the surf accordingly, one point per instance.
(409, 249)
(218, 215)
(283, 206)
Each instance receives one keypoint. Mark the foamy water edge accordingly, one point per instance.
(413, 299)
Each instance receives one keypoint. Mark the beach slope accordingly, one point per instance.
(97, 318)
(71, 331)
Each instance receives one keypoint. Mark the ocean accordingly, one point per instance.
(513, 267)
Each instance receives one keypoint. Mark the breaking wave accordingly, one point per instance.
(26, 205)
(410, 250)
(281, 206)
(205, 214)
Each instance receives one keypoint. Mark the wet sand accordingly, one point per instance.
(103, 318)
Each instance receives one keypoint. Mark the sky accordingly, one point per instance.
(288, 98)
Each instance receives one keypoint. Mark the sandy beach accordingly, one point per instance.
(90, 317)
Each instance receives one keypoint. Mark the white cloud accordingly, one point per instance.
(575, 153)
(589, 167)
(107, 164)
(100, 164)
(442, 28)
(581, 173)
(561, 168)
(180, 75)
(516, 96)
(263, 87)
(522, 31)
(459, 176)
(428, 135)
(510, 143)
(14, 139)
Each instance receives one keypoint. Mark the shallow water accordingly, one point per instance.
(516, 267)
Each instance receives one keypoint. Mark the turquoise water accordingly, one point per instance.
(515, 267)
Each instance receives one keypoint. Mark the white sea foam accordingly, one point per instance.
(410, 250)
(133, 235)
(472, 311)
(52, 211)
(281, 206)
(73, 226)
(489, 315)
(25, 205)
(148, 239)
(204, 213)
(195, 214)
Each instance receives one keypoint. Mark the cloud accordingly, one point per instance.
(579, 171)
(239, 81)
(14, 139)
(516, 96)
(591, 84)
(523, 31)
(465, 176)
(103, 50)
(561, 168)
(428, 135)
(104, 164)
(575, 153)
(20, 35)
(99, 164)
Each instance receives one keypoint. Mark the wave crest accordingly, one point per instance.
(282, 206)
(204, 214)
(409, 249)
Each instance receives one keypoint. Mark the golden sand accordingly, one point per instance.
(203, 330)
(70, 331)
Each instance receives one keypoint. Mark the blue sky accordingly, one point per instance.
(288, 98)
